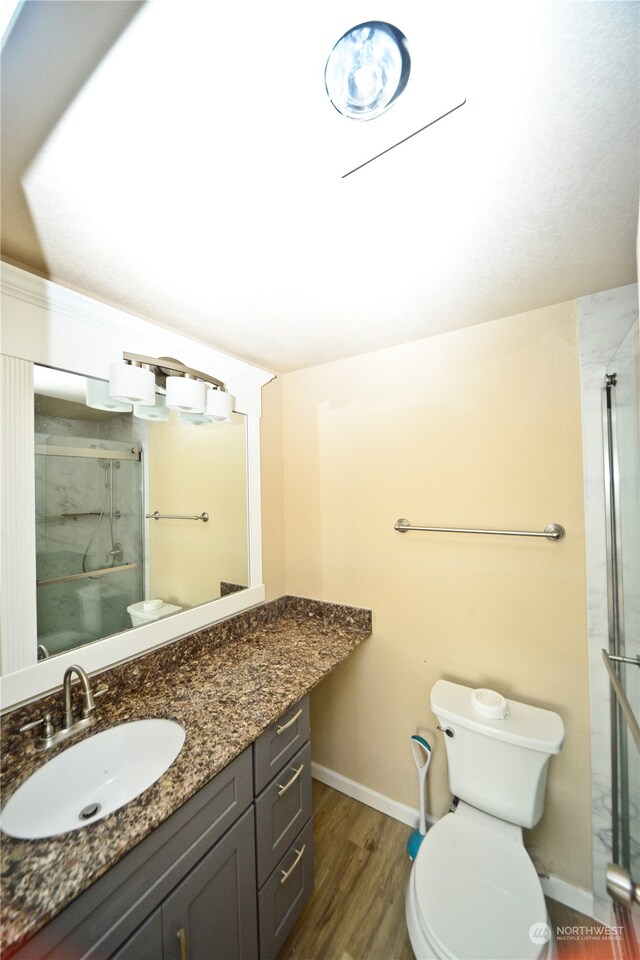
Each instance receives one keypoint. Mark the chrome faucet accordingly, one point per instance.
(88, 703)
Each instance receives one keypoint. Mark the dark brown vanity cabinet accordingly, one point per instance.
(223, 878)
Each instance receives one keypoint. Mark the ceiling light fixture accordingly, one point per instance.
(367, 70)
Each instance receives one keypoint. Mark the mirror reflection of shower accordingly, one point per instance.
(115, 555)
(89, 523)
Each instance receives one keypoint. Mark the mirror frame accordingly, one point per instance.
(45, 323)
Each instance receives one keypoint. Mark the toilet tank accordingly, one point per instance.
(498, 765)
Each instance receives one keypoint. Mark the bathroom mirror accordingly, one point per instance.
(137, 517)
(209, 569)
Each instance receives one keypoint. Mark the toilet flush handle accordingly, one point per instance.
(449, 732)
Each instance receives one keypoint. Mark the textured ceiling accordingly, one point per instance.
(180, 159)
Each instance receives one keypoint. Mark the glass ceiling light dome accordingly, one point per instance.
(367, 70)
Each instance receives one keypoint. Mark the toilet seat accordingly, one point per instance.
(474, 893)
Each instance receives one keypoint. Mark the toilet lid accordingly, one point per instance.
(478, 893)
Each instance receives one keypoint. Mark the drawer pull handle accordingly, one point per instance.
(182, 940)
(282, 790)
(287, 873)
(289, 723)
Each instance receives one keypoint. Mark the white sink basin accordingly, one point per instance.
(92, 779)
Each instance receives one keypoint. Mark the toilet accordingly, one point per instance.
(473, 892)
(146, 611)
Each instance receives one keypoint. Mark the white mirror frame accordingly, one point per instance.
(44, 323)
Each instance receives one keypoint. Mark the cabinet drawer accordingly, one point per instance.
(281, 811)
(279, 742)
(281, 900)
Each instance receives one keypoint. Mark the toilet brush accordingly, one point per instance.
(422, 756)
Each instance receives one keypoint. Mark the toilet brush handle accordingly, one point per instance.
(422, 776)
(421, 750)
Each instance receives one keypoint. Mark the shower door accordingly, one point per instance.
(88, 538)
(622, 658)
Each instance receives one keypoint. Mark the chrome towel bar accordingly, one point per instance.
(174, 516)
(553, 531)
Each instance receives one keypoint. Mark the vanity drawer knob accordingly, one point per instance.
(283, 789)
(289, 723)
(287, 873)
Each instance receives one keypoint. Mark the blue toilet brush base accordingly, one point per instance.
(413, 843)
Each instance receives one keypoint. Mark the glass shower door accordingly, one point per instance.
(89, 537)
(622, 659)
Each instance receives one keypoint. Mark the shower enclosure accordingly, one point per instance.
(89, 548)
(609, 341)
(622, 655)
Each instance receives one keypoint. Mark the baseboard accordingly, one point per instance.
(568, 893)
(561, 890)
(371, 798)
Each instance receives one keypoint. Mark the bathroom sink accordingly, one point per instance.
(92, 779)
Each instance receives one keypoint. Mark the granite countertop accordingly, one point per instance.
(225, 684)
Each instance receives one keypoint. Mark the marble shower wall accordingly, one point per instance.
(608, 332)
(76, 612)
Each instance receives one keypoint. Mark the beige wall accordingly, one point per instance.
(477, 428)
(272, 479)
(195, 469)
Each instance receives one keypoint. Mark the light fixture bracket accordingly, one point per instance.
(163, 367)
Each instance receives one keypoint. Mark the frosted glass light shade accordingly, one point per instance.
(132, 384)
(186, 395)
(195, 418)
(99, 398)
(219, 405)
(159, 411)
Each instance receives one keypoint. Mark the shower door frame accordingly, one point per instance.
(616, 662)
(615, 610)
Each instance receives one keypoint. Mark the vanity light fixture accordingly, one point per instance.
(219, 405)
(97, 396)
(186, 394)
(159, 411)
(181, 388)
(132, 383)
(195, 418)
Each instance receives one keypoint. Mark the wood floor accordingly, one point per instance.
(356, 911)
